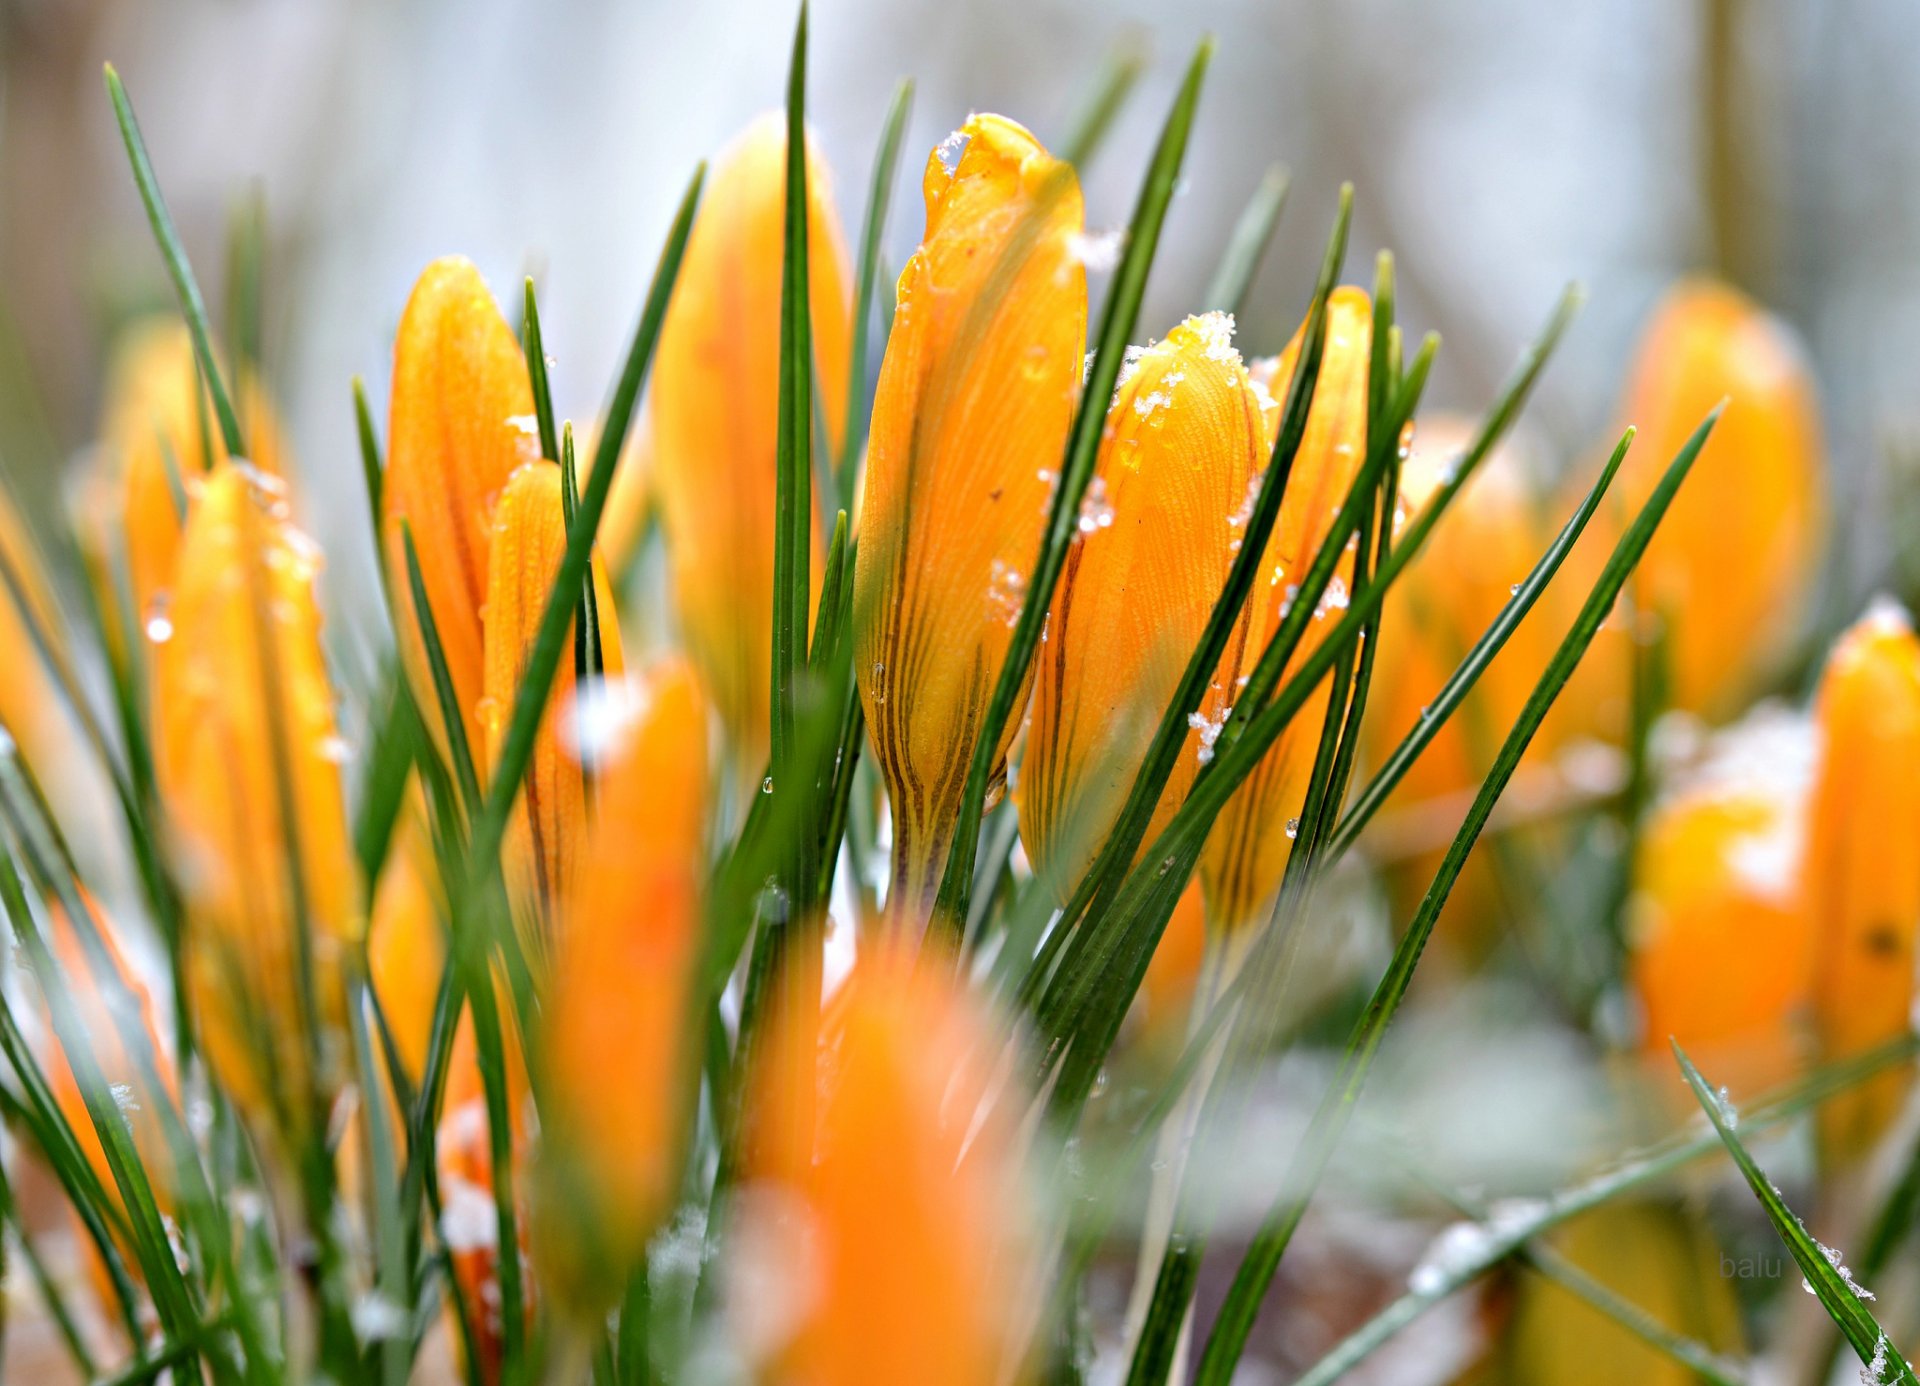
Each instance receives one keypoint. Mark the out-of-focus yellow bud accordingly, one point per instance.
(1720, 947)
(630, 500)
(241, 700)
(1184, 437)
(714, 414)
(547, 833)
(461, 420)
(469, 1221)
(1653, 1256)
(158, 431)
(406, 940)
(1733, 563)
(30, 706)
(969, 423)
(619, 1070)
(123, 1071)
(888, 1193)
(1862, 871)
(1246, 854)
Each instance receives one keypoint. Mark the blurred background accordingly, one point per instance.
(1500, 147)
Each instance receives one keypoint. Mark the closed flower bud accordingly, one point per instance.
(970, 421)
(714, 413)
(1247, 852)
(546, 836)
(248, 761)
(461, 421)
(885, 1205)
(1184, 438)
(406, 938)
(159, 434)
(620, 1073)
(1862, 871)
(1720, 947)
(1730, 570)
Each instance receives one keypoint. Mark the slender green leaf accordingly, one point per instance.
(1233, 278)
(536, 351)
(793, 491)
(1111, 86)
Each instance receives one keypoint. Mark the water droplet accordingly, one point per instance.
(766, 785)
(1293, 828)
(1514, 590)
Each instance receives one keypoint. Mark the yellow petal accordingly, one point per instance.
(969, 423)
(1183, 439)
(406, 940)
(546, 835)
(231, 715)
(618, 1067)
(886, 1194)
(1862, 872)
(1720, 951)
(461, 421)
(714, 411)
(1244, 858)
(1729, 569)
(158, 428)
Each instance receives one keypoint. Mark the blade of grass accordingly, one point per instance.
(536, 351)
(1235, 1320)
(246, 275)
(1233, 278)
(1111, 86)
(1118, 319)
(192, 306)
(886, 164)
(1826, 1275)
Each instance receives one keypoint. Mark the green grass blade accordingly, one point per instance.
(1118, 319)
(383, 790)
(1235, 1321)
(886, 166)
(1831, 1282)
(793, 490)
(246, 278)
(1628, 1176)
(536, 351)
(1105, 98)
(491, 1045)
(466, 774)
(1233, 279)
(550, 638)
(192, 306)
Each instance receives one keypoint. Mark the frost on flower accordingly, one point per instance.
(468, 1219)
(1096, 511)
(1099, 251)
(1216, 335)
(1006, 591)
(1209, 729)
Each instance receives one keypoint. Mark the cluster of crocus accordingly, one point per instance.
(551, 1022)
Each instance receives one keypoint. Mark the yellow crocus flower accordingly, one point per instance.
(461, 421)
(1184, 439)
(970, 421)
(713, 415)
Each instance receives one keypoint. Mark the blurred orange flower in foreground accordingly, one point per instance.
(248, 760)
(881, 1242)
(970, 421)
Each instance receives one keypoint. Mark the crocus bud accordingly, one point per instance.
(1184, 438)
(461, 421)
(1167, 989)
(715, 411)
(546, 835)
(1246, 854)
(248, 757)
(160, 434)
(1729, 570)
(30, 707)
(1862, 871)
(970, 421)
(1720, 947)
(885, 1202)
(620, 1069)
(406, 938)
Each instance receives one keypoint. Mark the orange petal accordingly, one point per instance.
(617, 1003)
(969, 423)
(1729, 568)
(1862, 873)
(1183, 439)
(546, 835)
(406, 940)
(1246, 854)
(158, 428)
(220, 744)
(461, 420)
(714, 412)
(1720, 947)
(886, 1196)
(1166, 992)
